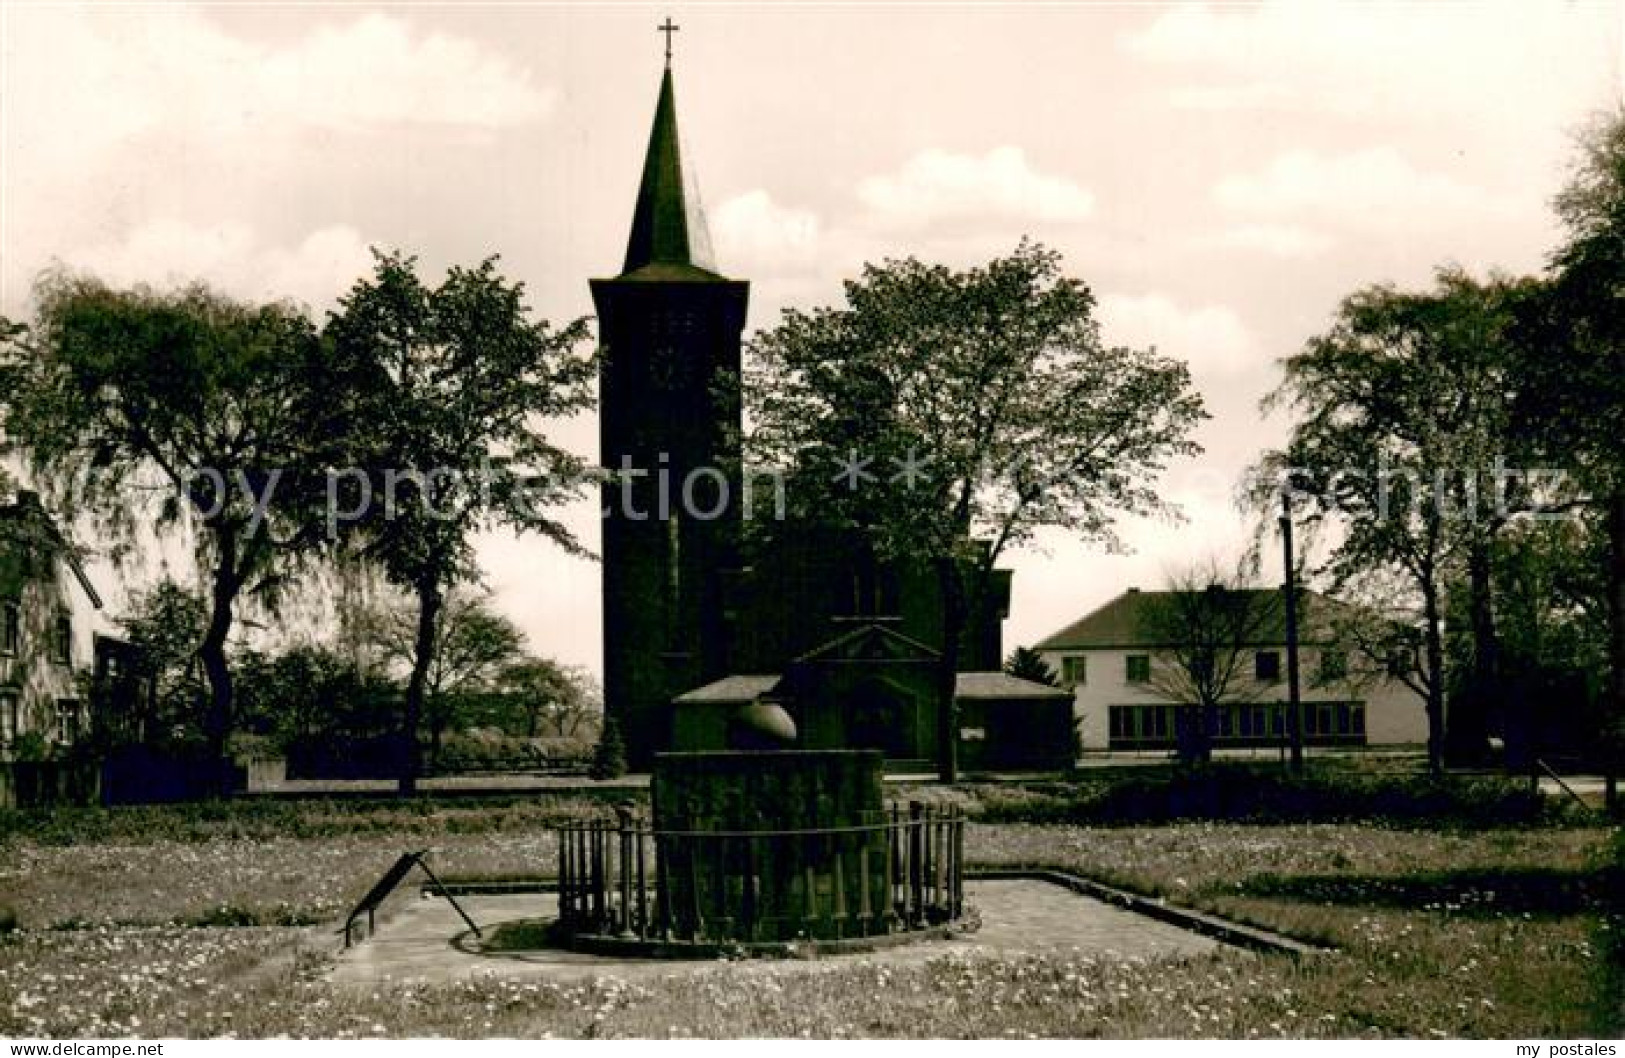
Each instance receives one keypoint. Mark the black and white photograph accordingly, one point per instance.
(824, 521)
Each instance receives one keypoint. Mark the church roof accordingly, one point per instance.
(669, 240)
(730, 689)
(871, 641)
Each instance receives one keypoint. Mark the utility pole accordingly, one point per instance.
(1294, 707)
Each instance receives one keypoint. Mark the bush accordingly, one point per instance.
(609, 760)
(1239, 793)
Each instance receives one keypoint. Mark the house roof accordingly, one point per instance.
(27, 505)
(972, 686)
(1126, 622)
(996, 685)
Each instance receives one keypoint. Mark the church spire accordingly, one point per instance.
(668, 227)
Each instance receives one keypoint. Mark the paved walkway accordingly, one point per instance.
(1017, 916)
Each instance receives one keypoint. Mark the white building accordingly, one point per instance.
(1108, 656)
(49, 623)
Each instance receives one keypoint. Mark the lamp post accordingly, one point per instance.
(1294, 707)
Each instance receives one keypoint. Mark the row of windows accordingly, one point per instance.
(1266, 667)
(1154, 725)
(11, 633)
(69, 718)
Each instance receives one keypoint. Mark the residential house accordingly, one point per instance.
(49, 613)
(1110, 658)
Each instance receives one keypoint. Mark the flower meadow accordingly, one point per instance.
(217, 931)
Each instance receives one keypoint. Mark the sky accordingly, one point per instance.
(1220, 175)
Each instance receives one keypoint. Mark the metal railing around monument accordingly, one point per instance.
(624, 880)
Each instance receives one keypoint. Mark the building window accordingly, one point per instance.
(1267, 666)
(1334, 665)
(69, 716)
(8, 717)
(11, 628)
(62, 641)
(1142, 726)
(1400, 662)
(1137, 668)
(1074, 670)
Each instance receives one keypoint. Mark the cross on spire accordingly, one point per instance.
(668, 28)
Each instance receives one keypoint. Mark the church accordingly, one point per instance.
(700, 624)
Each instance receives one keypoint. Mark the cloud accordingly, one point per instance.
(376, 70)
(232, 258)
(1212, 338)
(753, 230)
(133, 128)
(80, 79)
(1374, 182)
(936, 186)
(1277, 240)
(1416, 60)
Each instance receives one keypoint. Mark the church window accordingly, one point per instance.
(674, 564)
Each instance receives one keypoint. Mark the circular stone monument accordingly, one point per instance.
(761, 850)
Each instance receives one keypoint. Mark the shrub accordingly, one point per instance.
(1240, 793)
(609, 760)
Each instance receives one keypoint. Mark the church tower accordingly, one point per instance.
(669, 414)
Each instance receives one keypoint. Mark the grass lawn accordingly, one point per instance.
(188, 922)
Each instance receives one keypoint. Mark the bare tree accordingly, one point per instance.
(1206, 625)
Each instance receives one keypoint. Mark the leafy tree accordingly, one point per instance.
(448, 389)
(115, 395)
(166, 624)
(1551, 594)
(946, 416)
(472, 649)
(609, 758)
(1025, 663)
(1206, 625)
(313, 691)
(552, 698)
(1575, 404)
(1402, 444)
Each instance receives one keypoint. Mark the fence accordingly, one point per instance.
(629, 881)
(47, 784)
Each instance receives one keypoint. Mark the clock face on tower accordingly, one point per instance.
(667, 369)
(669, 355)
